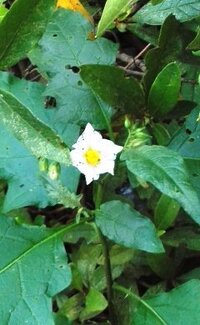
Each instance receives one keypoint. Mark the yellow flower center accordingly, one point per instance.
(92, 157)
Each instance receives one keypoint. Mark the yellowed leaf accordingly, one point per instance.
(74, 5)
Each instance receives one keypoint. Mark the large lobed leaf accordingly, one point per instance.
(35, 135)
(21, 29)
(17, 165)
(65, 46)
(164, 169)
(126, 226)
(183, 10)
(26, 295)
(177, 307)
(186, 141)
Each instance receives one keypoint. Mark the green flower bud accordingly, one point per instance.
(121, 27)
(127, 122)
(43, 164)
(54, 170)
(137, 136)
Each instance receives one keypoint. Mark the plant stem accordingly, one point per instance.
(108, 274)
(107, 264)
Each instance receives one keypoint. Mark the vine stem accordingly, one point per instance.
(107, 264)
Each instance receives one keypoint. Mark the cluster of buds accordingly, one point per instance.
(52, 168)
(137, 135)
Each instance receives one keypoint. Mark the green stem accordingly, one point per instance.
(107, 264)
(99, 195)
(129, 293)
(108, 274)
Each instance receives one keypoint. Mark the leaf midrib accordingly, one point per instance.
(59, 232)
(57, 143)
(140, 300)
(161, 168)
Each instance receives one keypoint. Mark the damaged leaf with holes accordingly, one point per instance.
(73, 252)
(67, 37)
(27, 188)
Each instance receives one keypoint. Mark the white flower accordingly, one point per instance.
(93, 155)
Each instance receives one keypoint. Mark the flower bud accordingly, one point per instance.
(54, 170)
(121, 27)
(127, 122)
(43, 164)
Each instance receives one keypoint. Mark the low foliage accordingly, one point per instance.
(123, 249)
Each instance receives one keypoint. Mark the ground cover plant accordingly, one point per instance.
(99, 162)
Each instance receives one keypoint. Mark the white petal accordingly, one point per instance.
(106, 166)
(90, 176)
(91, 139)
(76, 157)
(90, 134)
(110, 148)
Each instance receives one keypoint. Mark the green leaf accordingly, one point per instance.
(3, 12)
(183, 10)
(22, 19)
(59, 194)
(155, 2)
(166, 212)
(112, 10)
(176, 307)
(98, 280)
(147, 33)
(85, 258)
(164, 169)
(183, 236)
(152, 316)
(17, 165)
(195, 44)
(67, 38)
(165, 90)
(28, 294)
(190, 90)
(61, 320)
(169, 49)
(193, 167)
(186, 141)
(193, 274)
(162, 265)
(36, 136)
(161, 134)
(118, 255)
(85, 230)
(95, 304)
(127, 227)
(113, 87)
(72, 306)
